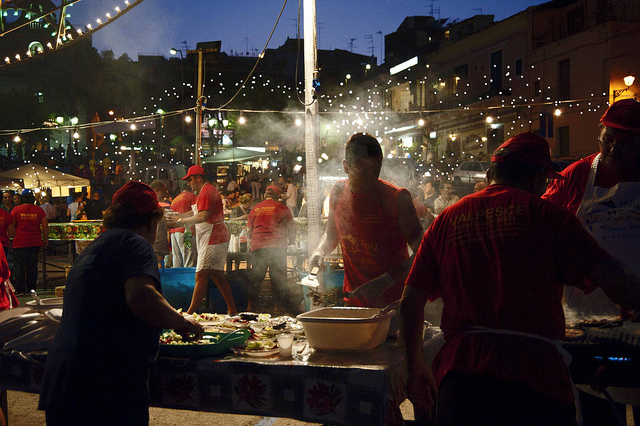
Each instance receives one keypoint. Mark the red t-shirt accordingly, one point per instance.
(568, 193)
(270, 223)
(372, 242)
(28, 219)
(499, 259)
(209, 199)
(6, 219)
(182, 204)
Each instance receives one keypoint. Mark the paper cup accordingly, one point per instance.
(285, 343)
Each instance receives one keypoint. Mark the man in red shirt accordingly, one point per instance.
(374, 221)
(212, 237)
(7, 231)
(603, 191)
(184, 252)
(271, 227)
(32, 232)
(499, 259)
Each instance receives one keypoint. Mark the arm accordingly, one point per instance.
(188, 219)
(11, 229)
(421, 385)
(617, 281)
(149, 306)
(328, 243)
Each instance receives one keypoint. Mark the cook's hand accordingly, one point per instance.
(421, 387)
(190, 330)
(173, 224)
(316, 259)
(374, 288)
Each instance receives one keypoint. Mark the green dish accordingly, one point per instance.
(225, 343)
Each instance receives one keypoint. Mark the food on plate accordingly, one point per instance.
(573, 334)
(248, 316)
(172, 338)
(208, 317)
(595, 322)
(283, 323)
(260, 345)
(235, 322)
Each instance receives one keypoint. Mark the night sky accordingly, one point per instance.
(243, 26)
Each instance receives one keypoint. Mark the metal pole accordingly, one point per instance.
(199, 112)
(311, 123)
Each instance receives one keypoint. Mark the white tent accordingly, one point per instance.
(37, 176)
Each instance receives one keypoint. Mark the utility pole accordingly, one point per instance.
(199, 108)
(311, 125)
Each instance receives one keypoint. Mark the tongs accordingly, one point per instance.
(311, 280)
(391, 306)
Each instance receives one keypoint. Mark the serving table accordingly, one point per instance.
(328, 387)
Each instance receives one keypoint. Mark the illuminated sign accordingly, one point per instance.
(404, 65)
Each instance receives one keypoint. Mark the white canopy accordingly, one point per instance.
(37, 176)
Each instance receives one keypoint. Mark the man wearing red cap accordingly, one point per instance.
(98, 365)
(603, 191)
(499, 259)
(271, 227)
(212, 239)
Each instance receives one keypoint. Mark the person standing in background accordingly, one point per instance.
(7, 231)
(95, 207)
(73, 207)
(32, 233)
(445, 199)
(49, 209)
(17, 199)
(161, 245)
(271, 228)
(7, 200)
(183, 243)
(291, 197)
(212, 237)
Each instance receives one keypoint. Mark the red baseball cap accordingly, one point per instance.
(527, 148)
(623, 114)
(273, 188)
(137, 194)
(194, 171)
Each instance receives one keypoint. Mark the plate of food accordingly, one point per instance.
(172, 344)
(573, 334)
(235, 322)
(209, 319)
(282, 324)
(258, 348)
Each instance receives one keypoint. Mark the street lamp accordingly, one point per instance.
(628, 81)
(346, 80)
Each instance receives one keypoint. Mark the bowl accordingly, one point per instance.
(345, 329)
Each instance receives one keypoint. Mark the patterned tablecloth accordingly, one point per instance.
(329, 387)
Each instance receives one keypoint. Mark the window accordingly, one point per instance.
(536, 88)
(518, 67)
(564, 79)
(563, 141)
(575, 21)
(495, 84)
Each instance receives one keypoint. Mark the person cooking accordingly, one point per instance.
(603, 191)
(373, 221)
(98, 366)
(212, 238)
(499, 260)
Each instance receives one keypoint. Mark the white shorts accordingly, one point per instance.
(212, 257)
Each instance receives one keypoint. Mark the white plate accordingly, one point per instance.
(276, 332)
(258, 353)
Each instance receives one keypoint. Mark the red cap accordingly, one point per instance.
(274, 188)
(623, 114)
(194, 171)
(137, 194)
(527, 148)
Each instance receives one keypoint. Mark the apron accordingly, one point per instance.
(612, 217)
(203, 234)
